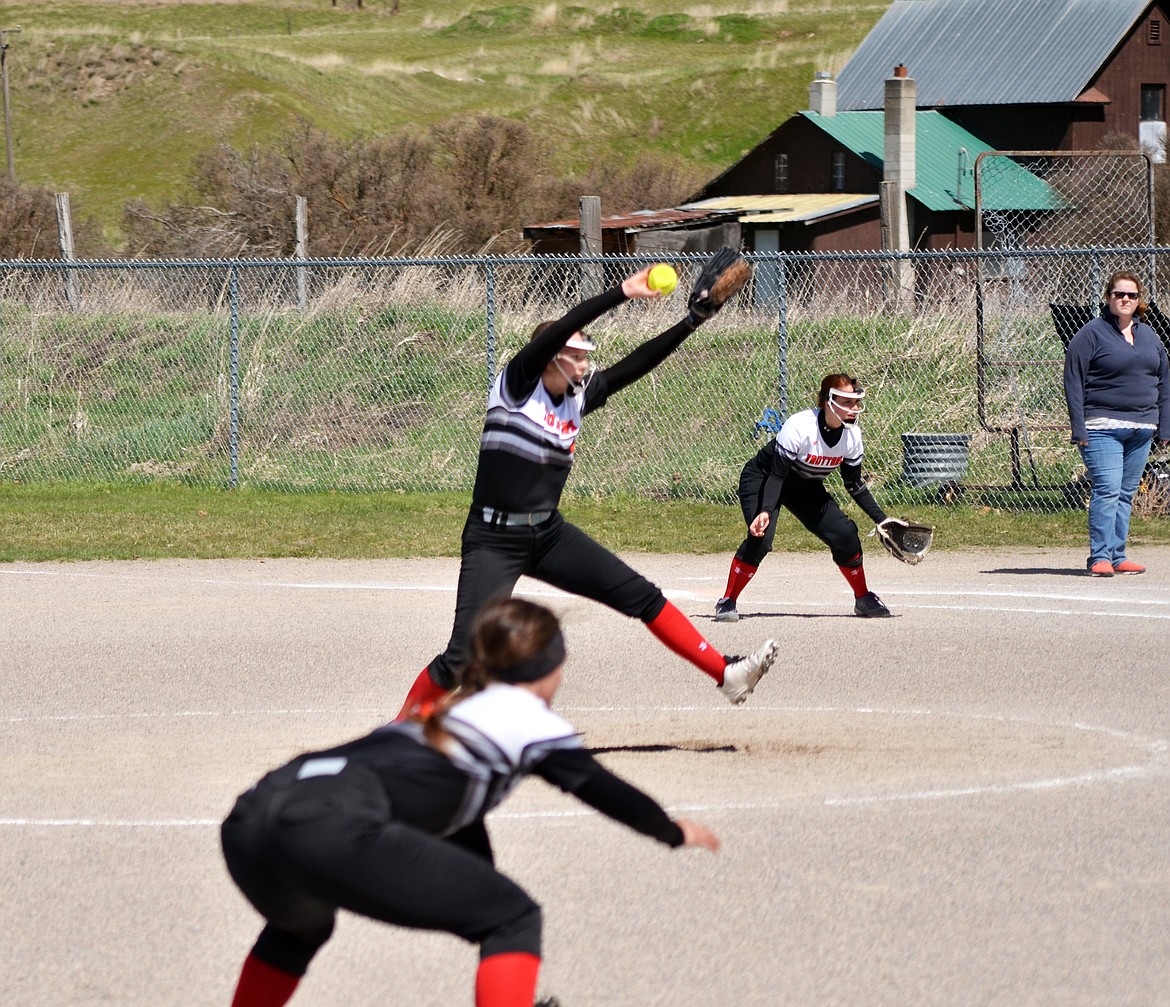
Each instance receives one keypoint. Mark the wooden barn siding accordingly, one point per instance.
(1135, 63)
(810, 165)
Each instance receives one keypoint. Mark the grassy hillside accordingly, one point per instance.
(112, 99)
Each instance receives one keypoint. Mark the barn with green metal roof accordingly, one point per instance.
(842, 155)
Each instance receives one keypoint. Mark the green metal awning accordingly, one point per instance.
(944, 163)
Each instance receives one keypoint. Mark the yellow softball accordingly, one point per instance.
(663, 278)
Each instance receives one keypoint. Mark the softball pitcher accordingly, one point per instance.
(534, 413)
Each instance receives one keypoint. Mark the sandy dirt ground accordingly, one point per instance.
(968, 803)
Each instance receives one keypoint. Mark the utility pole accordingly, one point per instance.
(4, 33)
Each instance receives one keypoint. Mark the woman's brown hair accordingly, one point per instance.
(507, 632)
(831, 381)
(1124, 274)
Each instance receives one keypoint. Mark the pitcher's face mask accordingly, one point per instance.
(574, 364)
(846, 406)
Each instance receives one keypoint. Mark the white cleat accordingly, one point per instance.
(743, 673)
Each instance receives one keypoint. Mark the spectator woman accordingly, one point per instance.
(1118, 395)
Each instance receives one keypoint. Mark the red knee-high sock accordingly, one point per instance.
(507, 980)
(738, 577)
(263, 985)
(856, 577)
(424, 693)
(675, 630)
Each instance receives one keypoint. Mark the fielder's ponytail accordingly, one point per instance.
(512, 640)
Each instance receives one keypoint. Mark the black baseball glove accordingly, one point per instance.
(905, 540)
(721, 278)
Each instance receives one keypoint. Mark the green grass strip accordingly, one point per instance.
(70, 522)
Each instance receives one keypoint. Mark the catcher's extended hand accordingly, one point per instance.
(905, 540)
(721, 278)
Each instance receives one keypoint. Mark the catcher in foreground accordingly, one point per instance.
(391, 826)
(791, 471)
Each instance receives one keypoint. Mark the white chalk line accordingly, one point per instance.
(181, 714)
(1155, 749)
(786, 606)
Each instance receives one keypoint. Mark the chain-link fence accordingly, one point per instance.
(373, 374)
(1063, 199)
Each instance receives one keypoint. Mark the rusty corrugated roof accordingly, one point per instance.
(783, 208)
(637, 220)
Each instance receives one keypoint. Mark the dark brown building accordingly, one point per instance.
(1025, 74)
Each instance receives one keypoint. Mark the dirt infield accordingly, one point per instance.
(965, 804)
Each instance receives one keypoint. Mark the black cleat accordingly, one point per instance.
(725, 611)
(869, 606)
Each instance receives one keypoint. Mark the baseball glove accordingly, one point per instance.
(721, 278)
(905, 540)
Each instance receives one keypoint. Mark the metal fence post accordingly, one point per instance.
(490, 277)
(234, 302)
(781, 338)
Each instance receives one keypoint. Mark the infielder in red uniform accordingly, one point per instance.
(391, 825)
(514, 528)
(790, 471)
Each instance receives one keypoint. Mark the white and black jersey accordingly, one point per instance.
(526, 449)
(805, 442)
(528, 440)
(808, 448)
(498, 736)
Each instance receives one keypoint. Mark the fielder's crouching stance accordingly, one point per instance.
(391, 825)
(514, 526)
(790, 471)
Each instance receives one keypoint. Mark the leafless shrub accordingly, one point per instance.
(465, 186)
(651, 182)
(28, 225)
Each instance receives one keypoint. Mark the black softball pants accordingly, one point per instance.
(813, 507)
(555, 552)
(301, 850)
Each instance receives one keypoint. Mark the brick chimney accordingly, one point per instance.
(900, 151)
(822, 94)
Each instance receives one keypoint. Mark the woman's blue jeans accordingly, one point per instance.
(1115, 460)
